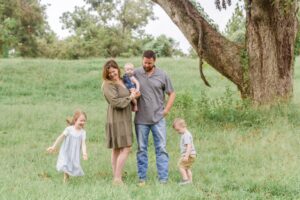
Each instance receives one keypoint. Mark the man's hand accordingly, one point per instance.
(165, 112)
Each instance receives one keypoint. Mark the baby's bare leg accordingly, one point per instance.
(134, 101)
(134, 105)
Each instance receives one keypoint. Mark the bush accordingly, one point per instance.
(228, 110)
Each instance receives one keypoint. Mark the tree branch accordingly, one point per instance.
(217, 51)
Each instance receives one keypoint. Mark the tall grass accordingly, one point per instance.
(243, 153)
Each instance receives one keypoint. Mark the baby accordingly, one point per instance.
(131, 83)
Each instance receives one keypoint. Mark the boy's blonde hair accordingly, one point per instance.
(180, 122)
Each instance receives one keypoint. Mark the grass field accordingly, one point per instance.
(243, 153)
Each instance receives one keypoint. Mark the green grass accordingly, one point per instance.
(243, 153)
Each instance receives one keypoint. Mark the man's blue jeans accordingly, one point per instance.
(162, 158)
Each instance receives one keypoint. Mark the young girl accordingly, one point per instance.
(131, 83)
(187, 150)
(73, 140)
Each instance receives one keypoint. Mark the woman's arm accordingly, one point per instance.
(111, 94)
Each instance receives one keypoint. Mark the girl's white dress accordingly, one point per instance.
(69, 154)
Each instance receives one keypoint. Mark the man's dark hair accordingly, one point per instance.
(149, 54)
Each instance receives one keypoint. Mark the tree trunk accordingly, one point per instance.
(271, 34)
(263, 70)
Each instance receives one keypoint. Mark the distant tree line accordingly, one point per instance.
(101, 28)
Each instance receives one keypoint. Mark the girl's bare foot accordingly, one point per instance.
(117, 182)
(66, 177)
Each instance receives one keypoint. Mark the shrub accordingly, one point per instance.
(228, 110)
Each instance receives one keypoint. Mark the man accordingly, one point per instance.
(154, 84)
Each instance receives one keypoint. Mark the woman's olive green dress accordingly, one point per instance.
(118, 121)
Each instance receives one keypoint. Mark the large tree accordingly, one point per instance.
(22, 23)
(262, 69)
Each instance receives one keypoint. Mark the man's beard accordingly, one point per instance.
(148, 69)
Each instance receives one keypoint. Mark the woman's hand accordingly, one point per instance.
(133, 94)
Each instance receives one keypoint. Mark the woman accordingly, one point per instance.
(118, 122)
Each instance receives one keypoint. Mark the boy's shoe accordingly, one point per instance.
(142, 183)
(163, 182)
(184, 182)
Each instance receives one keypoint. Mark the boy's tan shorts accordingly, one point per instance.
(186, 164)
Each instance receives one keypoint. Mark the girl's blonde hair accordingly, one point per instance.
(180, 122)
(77, 114)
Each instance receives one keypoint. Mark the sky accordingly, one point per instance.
(162, 25)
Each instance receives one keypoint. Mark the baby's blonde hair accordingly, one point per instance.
(180, 122)
(77, 114)
(128, 65)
